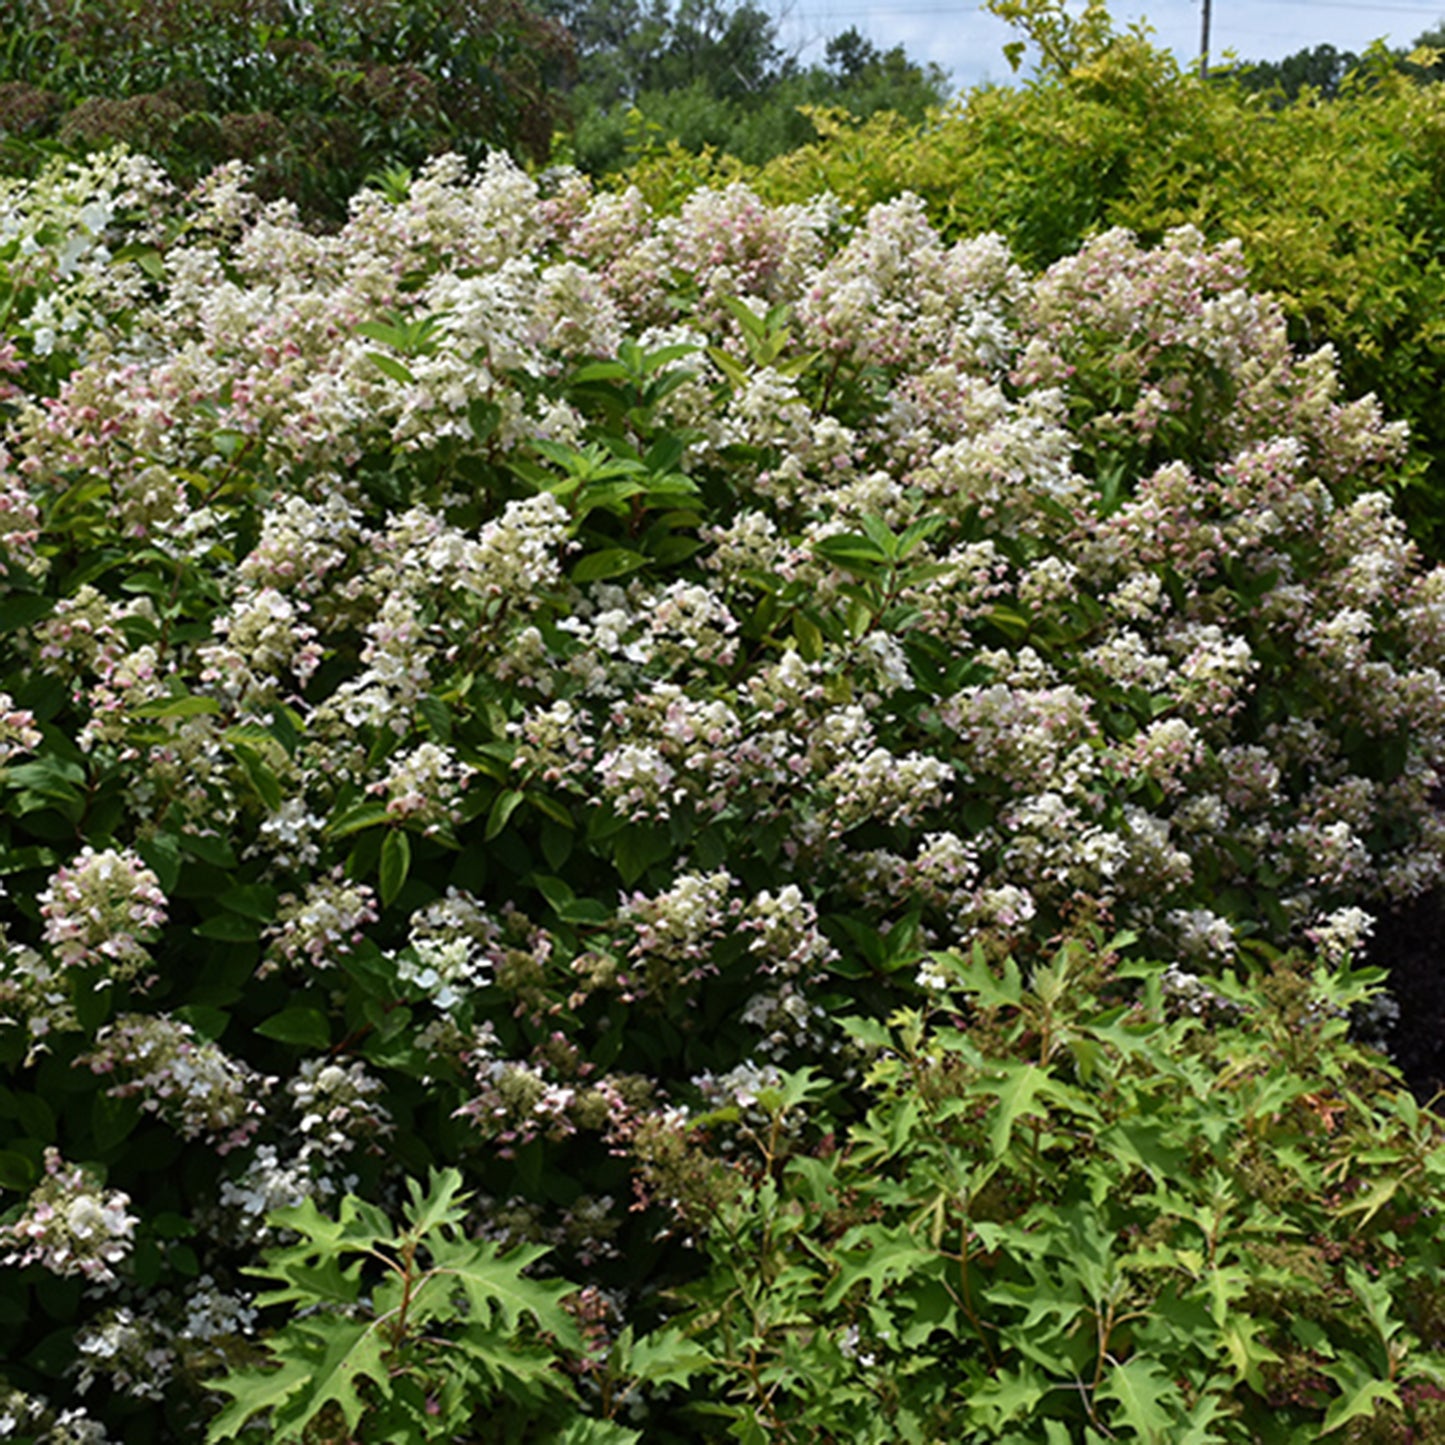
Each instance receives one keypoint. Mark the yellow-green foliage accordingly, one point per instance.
(1340, 203)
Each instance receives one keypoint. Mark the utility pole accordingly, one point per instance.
(1204, 44)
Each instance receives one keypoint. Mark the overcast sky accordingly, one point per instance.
(968, 42)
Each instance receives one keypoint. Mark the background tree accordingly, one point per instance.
(1321, 69)
(714, 76)
(314, 95)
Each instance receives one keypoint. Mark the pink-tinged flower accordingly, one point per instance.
(100, 910)
(71, 1224)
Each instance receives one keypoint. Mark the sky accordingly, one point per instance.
(968, 42)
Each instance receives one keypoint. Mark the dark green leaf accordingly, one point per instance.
(610, 562)
(298, 1025)
(395, 864)
(229, 928)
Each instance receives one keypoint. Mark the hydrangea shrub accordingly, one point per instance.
(493, 688)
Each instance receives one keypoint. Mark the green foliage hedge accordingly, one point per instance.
(315, 97)
(740, 824)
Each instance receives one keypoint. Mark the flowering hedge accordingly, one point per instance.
(492, 690)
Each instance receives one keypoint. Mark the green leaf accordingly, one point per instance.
(390, 366)
(1005, 1397)
(880, 1257)
(253, 1392)
(186, 705)
(1142, 1389)
(112, 1121)
(252, 900)
(23, 611)
(443, 1201)
(868, 1032)
(209, 1022)
(586, 1430)
(229, 928)
(483, 417)
(497, 1287)
(395, 864)
(809, 636)
(1240, 1334)
(853, 553)
(585, 911)
(298, 1024)
(1017, 1093)
(259, 775)
(1360, 1392)
(17, 1171)
(505, 805)
(637, 848)
(209, 849)
(354, 820)
(48, 777)
(610, 562)
(437, 716)
(162, 854)
(351, 1351)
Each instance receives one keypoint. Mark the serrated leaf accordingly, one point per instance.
(496, 1287)
(1240, 1334)
(442, 1203)
(1360, 1392)
(1004, 1397)
(868, 1031)
(350, 1350)
(881, 1257)
(1369, 1205)
(1142, 1389)
(252, 1392)
(1018, 1093)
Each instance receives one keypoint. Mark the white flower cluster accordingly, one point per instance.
(322, 926)
(27, 1417)
(100, 910)
(452, 949)
(424, 785)
(268, 1182)
(18, 733)
(71, 1224)
(339, 1107)
(680, 923)
(189, 1081)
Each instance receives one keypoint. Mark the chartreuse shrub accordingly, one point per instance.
(1337, 202)
(490, 693)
